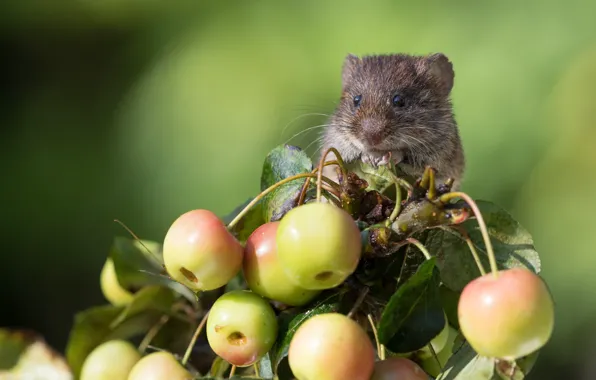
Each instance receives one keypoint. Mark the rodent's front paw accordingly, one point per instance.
(376, 161)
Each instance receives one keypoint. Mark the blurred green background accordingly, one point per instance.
(142, 110)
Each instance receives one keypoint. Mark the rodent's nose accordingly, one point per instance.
(372, 132)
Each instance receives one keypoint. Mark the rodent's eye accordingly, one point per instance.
(398, 101)
(357, 100)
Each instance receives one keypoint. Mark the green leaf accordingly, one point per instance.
(219, 367)
(467, 364)
(99, 324)
(378, 178)
(136, 268)
(290, 321)
(250, 222)
(25, 355)
(282, 162)
(12, 345)
(512, 244)
(266, 367)
(150, 298)
(450, 300)
(174, 335)
(414, 314)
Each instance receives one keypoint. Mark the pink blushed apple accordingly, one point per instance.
(199, 251)
(331, 346)
(264, 273)
(508, 316)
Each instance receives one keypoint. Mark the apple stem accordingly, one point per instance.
(432, 189)
(307, 182)
(153, 255)
(380, 347)
(257, 374)
(397, 182)
(489, 247)
(358, 302)
(232, 371)
(340, 163)
(434, 353)
(194, 339)
(466, 237)
(420, 246)
(270, 189)
(152, 333)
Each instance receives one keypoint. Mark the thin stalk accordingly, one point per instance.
(432, 189)
(489, 247)
(473, 250)
(397, 207)
(194, 339)
(420, 246)
(153, 255)
(358, 302)
(232, 371)
(257, 374)
(152, 333)
(306, 183)
(380, 348)
(270, 189)
(341, 165)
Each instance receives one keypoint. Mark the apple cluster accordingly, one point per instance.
(316, 246)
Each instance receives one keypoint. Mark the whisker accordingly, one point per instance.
(304, 131)
(317, 140)
(300, 117)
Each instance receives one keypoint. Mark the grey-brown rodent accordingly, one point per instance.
(398, 104)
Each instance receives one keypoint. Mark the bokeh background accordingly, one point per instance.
(142, 110)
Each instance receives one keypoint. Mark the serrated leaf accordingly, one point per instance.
(250, 222)
(136, 268)
(282, 162)
(25, 355)
(99, 324)
(512, 244)
(290, 321)
(414, 314)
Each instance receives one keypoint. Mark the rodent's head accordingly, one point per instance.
(395, 102)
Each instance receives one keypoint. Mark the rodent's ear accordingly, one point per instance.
(438, 66)
(349, 67)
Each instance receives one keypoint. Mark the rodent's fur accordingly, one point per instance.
(419, 130)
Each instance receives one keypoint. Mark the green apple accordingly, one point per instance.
(318, 245)
(398, 369)
(111, 360)
(159, 366)
(200, 252)
(331, 346)
(263, 272)
(507, 316)
(241, 327)
(111, 288)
